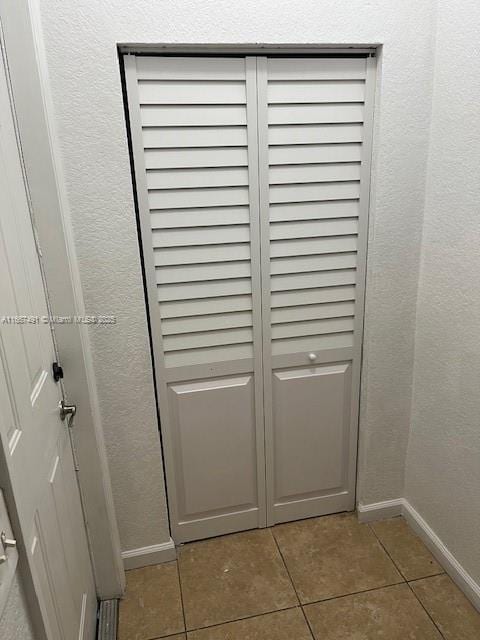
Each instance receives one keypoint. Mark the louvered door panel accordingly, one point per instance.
(197, 179)
(314, 158)
(313, 188)
(196, 160)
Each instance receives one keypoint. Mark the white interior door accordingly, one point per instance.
(34, 439)
(252, 178)
(314, 119)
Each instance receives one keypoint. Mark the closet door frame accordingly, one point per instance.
(339, 355)
(164, 377)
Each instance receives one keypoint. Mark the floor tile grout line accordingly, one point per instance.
(176, 633)
(425, 609)
(386, 551)
(285, 565)
(181, 596)
(406, 581)
(255, 615)
(170, 635)
(307, 621)
(353, 593)
(292, 583)
(431, 575)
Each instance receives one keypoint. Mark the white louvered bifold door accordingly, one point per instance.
(314, 160)
(252, 182)
(194, 134)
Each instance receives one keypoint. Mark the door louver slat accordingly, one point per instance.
(313, 228)
(312, 327)
(314, 134)
(183, 68)
(201, 217)
(346, 69)
(283, 346)
(314, 91)
(315, 246)
(180, 309)
(185, 358)
(307, 152)
(312, 280)
(192, 273)
(193, 137)
(191, 92)
(314, 210)
(309, 264)
(178, 255)
(185, 157)
(201, 236)
(313, 312)
(315, 114)
(192, 324)
(213, 289)
(193, 115)
(289, 299)
(198, 177)
(304, 173)
(317, 192)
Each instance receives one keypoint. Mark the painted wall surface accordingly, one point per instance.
(81, 39)
(443, 464)
(15, 622)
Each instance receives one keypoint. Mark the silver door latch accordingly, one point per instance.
(67, 410)
(7, 543)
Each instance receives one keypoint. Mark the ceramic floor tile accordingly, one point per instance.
(282, 625)
(333, 556)
(454, 615)
(391, 613)
(152, 607)
(406, 549)
(233, 577)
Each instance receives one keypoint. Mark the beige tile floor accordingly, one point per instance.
(327, 578)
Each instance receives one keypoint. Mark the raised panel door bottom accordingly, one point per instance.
(215, 456)
(311, 428)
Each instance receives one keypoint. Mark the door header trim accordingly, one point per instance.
(249, 49)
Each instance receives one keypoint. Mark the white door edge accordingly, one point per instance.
(23, 39)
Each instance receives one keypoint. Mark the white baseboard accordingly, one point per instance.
(401, 506)
(448, 561)
(155, 554)
(380, 510)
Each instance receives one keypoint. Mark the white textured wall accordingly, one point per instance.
(15, 622)
(81, 38)
(443, 465)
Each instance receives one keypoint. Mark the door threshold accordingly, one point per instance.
(107, 620)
